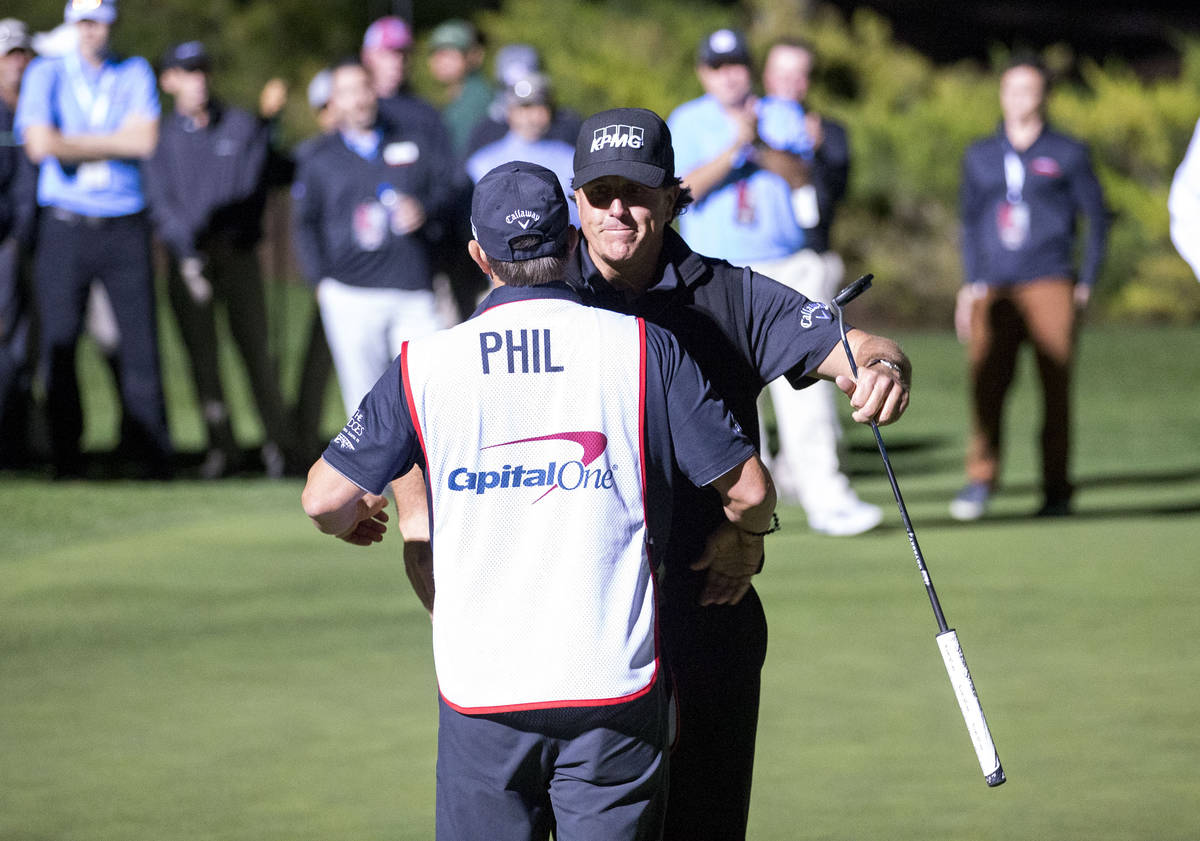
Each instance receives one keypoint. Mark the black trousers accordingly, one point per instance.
(715, 655)
(15, 369)
(72, 252)
(236, 278)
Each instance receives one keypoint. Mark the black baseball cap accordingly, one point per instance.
(633, 143)
(190, 55)
(725, 46)
(519, 199)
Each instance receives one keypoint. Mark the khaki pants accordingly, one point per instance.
(1042, 312)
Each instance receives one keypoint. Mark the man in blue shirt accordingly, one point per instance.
(529, 109)
(89, 118)
(551, 434)
(746, 160)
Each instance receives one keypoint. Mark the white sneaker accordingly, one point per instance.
(971, 502)
(853, 517)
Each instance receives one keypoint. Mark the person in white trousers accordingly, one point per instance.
(807, 467)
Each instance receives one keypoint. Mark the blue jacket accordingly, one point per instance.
(341, 223)
(1059, 186)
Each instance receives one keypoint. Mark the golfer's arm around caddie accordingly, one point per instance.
(879, 393)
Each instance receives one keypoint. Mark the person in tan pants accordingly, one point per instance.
(1023, 190)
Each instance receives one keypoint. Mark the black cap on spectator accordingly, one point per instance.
(725, 46)
(533, 89)
(189, 55)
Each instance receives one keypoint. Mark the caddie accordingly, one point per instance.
(551, 436)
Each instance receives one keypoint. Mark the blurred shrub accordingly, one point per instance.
(909, 121)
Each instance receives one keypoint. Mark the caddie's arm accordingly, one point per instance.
(412, 518)
(341, 508)
(880, 393)
(734, 552)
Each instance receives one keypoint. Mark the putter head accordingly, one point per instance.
(853, 290)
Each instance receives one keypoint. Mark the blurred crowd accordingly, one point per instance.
(95, 173)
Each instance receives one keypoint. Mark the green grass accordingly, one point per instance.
(193, 661)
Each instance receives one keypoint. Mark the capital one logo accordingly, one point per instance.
(617, 137)
(568, 475)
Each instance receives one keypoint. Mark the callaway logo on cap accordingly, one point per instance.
(629, 142)
(516, 200)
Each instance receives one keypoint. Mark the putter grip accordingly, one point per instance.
(853, 290)
(968, 703)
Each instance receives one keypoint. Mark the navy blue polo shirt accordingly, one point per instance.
(742, 328)
(683, 413)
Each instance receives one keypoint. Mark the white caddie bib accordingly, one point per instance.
(530, 416)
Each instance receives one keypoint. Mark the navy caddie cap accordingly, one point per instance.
(633, 143)
(520, 199)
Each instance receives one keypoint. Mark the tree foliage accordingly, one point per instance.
(909, 120)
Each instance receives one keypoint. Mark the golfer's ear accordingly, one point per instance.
(479, 257)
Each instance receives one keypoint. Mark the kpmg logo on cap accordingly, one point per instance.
(617, 137)
(524, 218)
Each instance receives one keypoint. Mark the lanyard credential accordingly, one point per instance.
(1012, 214)
(94, 104)
(1014, 176)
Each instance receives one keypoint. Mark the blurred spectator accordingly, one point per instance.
(360, 203)
(386, 52)
(1022, 193)
(743, 158)
(529, 109)
(807, 464)
(18, 180)
(514, 62)
(317, 364)
(206, 189)
(318, 100)
(87, 117)
(455, 62)
(1184, 205)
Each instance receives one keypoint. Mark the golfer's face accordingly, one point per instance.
(623, 220)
